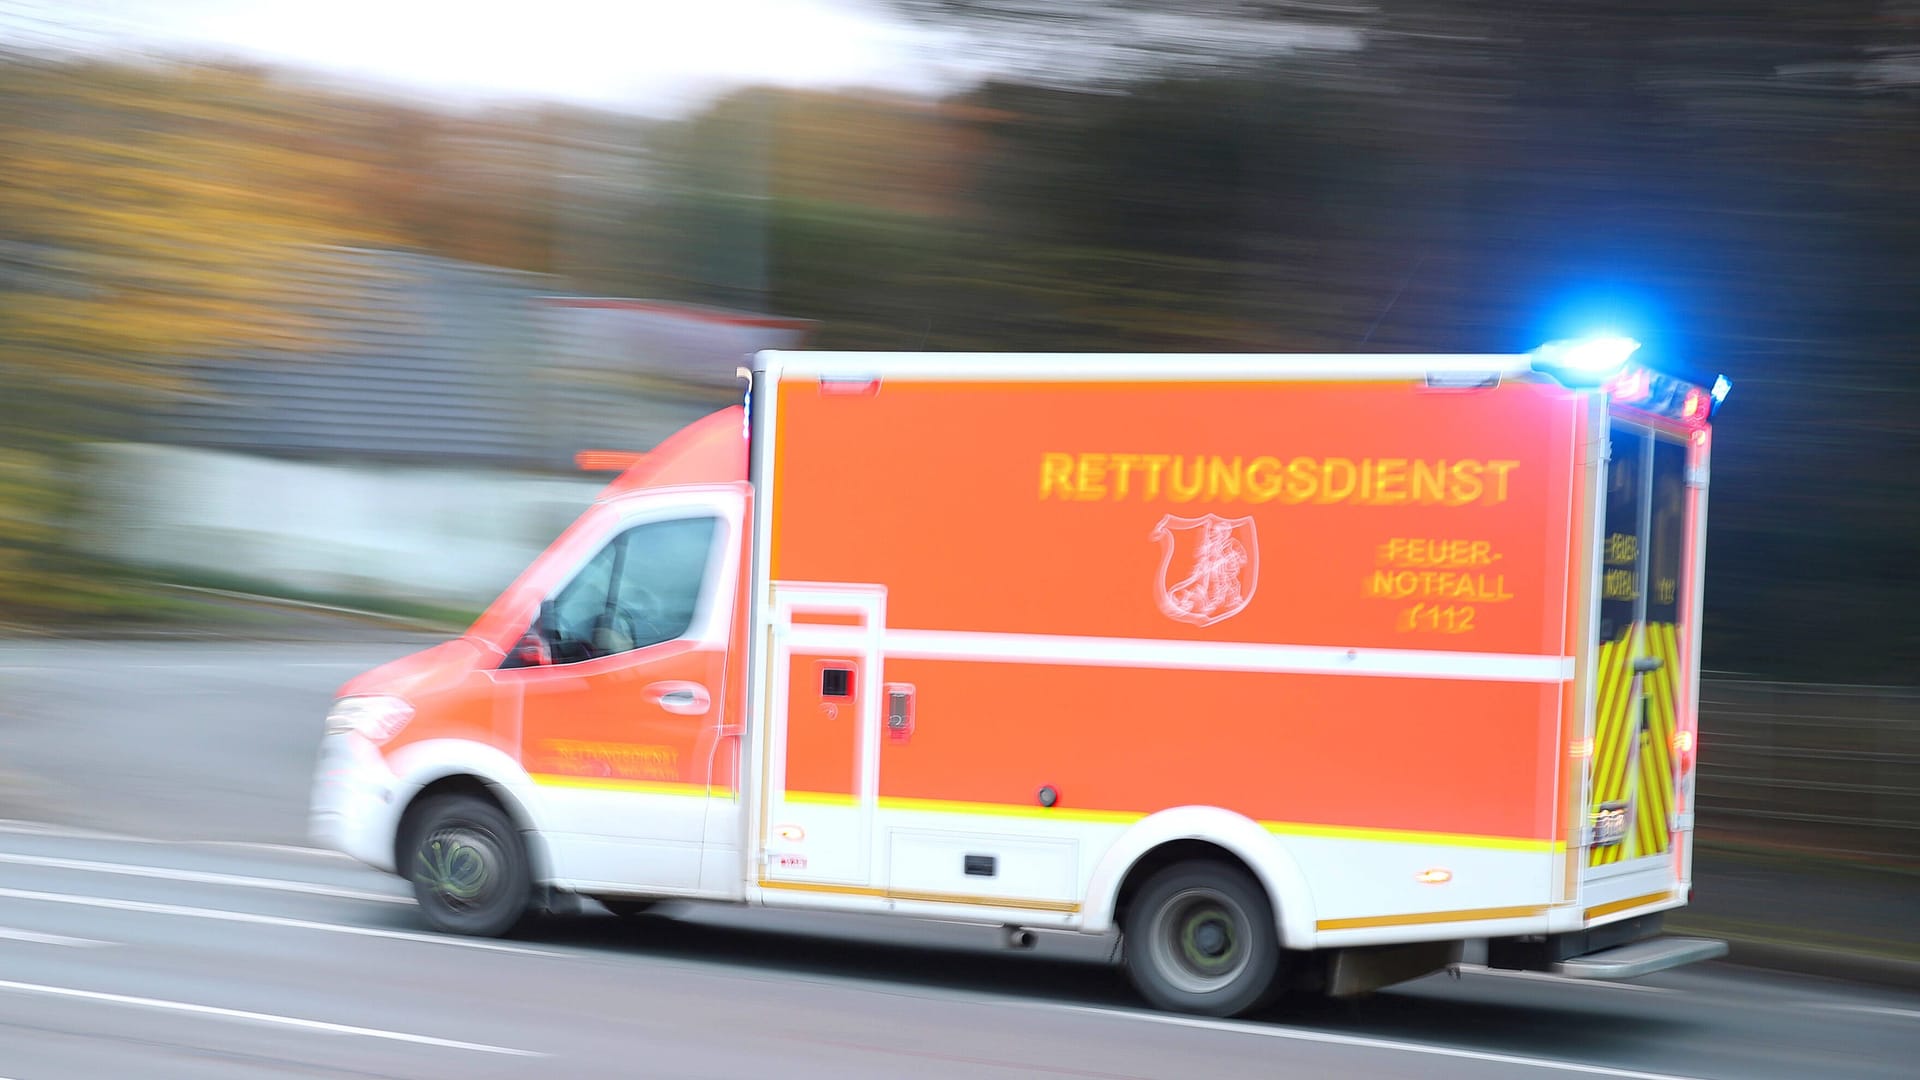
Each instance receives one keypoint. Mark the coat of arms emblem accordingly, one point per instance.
(1209, 567)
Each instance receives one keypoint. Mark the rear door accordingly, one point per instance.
(1644, 714)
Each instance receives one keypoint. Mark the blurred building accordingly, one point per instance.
(428, 360)
(423, 444)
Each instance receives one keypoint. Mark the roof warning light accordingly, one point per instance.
(1584, 361)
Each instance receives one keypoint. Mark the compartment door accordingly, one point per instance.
(823, 751)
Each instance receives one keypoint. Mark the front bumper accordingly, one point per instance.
(356, 801)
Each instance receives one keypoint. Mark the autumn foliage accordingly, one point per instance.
(1436, 192)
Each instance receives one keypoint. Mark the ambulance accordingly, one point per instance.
(1294, 673)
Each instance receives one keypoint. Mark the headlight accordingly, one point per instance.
(376, 716)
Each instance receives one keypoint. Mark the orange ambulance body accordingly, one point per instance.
(1255, 659)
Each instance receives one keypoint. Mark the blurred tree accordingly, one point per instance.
(1071, 44)
(1736, 179)
(1142, 174)
(147, 213)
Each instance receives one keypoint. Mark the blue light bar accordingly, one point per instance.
(1584, 360)
(1720, 388)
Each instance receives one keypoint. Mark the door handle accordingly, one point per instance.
(899, 711)
(683, 698)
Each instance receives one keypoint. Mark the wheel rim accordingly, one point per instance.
(1199, 940)
(459, 865)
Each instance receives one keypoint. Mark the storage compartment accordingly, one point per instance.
(930, 865)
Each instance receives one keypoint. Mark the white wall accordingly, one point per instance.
(453, 536)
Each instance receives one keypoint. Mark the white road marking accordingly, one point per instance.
(1559, 980)
(254, 845)
(1877, 1010)
(1305, 1035)
(260, 1018)
(8, 933)
(70, 832)
(38, 828)
(148, 908)
(203, 877)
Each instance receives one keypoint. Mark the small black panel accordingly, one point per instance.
(980, 865)
(836, 682)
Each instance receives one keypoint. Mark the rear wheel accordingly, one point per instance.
(468, 867)
(1201, 937)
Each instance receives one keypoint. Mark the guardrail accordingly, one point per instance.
(1820, 766)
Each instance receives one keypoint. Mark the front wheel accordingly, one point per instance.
(1201, 937)
(468, 867)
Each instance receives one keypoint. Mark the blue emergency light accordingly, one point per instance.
(1584, 361)
(1601, 363)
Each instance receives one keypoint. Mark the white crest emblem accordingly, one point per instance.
(1209, 567)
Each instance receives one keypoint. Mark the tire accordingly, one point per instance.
(1201, 938)
(469, 867)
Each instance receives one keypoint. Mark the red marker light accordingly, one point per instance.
(843, 386)
(1630, 386)
(1695, 407)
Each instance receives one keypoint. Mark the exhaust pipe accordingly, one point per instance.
(1017, 937)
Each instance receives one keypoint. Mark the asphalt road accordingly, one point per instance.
(170, 739)
(155, 953)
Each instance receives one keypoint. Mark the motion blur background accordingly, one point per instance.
(323, 302)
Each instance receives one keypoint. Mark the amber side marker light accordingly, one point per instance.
(607, 460)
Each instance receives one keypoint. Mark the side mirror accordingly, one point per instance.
(535, 647)
(531, 651)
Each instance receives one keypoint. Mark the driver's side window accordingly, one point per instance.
(641, 589)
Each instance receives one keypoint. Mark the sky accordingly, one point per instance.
(654, 57)
(658, 57)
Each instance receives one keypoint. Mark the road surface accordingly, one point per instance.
(150, 952)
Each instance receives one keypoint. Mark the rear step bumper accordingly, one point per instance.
(1640, 958)
(1626, 949)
